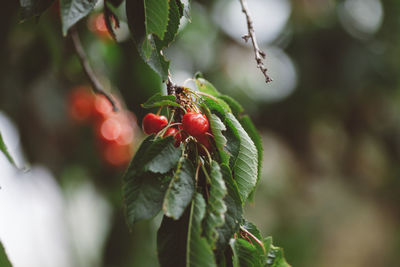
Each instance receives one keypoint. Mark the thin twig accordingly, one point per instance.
(259, 54)
(252, 236)
(97, 87)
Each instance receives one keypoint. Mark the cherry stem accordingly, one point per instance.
(254, 238)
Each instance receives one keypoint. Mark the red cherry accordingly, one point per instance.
(177, 135)
(153, 123)
(102, 107)
(203, 139)
(195, 123)
(97, 25)
(80, 104)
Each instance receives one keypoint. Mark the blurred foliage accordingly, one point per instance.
(330, 187)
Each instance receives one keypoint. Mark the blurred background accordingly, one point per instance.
(330, 124)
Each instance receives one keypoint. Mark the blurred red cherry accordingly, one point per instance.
(97, 25)
(80, 104)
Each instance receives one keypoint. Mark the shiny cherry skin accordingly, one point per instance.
(153, 123)
(195, 124)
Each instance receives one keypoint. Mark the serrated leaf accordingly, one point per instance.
(198, 251)
(206, 87)
(246, 163)
(4, 149)
(172, 240)
(159, 100)
(33, 8)
(174, 18)
(147, 48)
(275, 255)
(217, 127)
(250, 227)
(236, 108)
(143, 189)
(4, 261)
(156, 12)
(74, 10)
(216, 207)
(216, 106)
(181, 189)
(251, 130)
(144, 194)
(233, 214)
(245, 254)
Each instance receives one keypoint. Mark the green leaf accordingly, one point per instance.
(74, 10)
(216, 207)
(144, 194)
(174, 18)
(233, 214)
(143, 189)
(198, 251)
(4, 149)
(115, 3)
(156, 60)
(172, 240)
(156, 17)
(180, 191)
(217, 127)
(206, 87)
(251, 130)
(4, 262)
(233, 104)
(246, 163)
(275, 256)
(245, 254)
(33, 8)
(159, 100)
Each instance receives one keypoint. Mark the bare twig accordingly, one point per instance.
(259, 54)
(97, 87)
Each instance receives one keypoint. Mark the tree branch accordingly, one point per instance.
(97, 87)
(259, 54)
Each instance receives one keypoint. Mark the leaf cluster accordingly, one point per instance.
(201, 196)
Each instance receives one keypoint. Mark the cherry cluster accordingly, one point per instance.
(114, 131)
(192, 125)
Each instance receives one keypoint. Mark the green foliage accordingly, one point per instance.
(74, 10)
(180, 190)
(198, 252)
(159, 100)
(33, 8)
(4, 149)
(216, 207)
(4, 262)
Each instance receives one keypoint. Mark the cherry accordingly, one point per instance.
(203, 139)
(195, 124)
(153, 123)
(177, 135)
(80, 104)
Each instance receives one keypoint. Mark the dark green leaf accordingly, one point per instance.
(216, 207)
(33, 8)
(159, 100)
(144, 194)
(156, 60)
(174, 18)
(74, 10)
(249, 127)
(233, 214)
(156, 12)
(233, 104)
(144, 191)
(181, 189)
(199, 252)
(216, 106)
(245, 254)
(115, 3)
(246, 162)
(172, 241)
(275, 256)
(254, 231)
(4, 149)
(4, 262)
